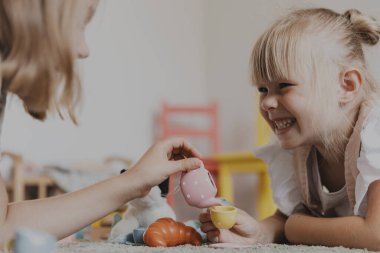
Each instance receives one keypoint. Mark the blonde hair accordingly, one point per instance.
(37, 54)
(320, 43)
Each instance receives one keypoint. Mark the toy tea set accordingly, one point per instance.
(199, 190)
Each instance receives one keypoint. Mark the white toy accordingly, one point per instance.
(33, 241)
(141, 212)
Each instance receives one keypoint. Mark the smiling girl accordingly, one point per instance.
(322, 105)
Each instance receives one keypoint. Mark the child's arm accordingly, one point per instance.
(65, 214)
(351, 231)
(247, 230)
(274, 227)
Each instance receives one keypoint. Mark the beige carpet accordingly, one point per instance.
(103, 247)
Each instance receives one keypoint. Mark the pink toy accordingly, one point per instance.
(199, 188)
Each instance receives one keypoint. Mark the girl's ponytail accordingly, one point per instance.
(366, 28)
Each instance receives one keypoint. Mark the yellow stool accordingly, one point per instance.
(230, 164)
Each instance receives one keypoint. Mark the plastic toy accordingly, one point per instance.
(198, 188)
(223, 217)
(166, 232)
(32, 241)
(141, 212)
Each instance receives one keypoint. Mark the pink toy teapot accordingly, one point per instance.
(198, 188)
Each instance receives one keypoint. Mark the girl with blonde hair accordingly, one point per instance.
(322, 105)
(39, 42)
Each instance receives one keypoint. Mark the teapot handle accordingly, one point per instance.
(211, 179)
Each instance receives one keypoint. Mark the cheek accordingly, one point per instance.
(263, 112)
(298, 106)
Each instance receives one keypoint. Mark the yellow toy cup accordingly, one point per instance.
(223, 217)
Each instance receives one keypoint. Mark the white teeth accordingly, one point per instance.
(281, 124)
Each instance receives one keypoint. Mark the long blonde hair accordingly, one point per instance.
(37, 54)
(317, 44)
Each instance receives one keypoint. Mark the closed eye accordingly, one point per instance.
(262, 89)
(284, 85)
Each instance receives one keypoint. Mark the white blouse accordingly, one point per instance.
(284, 182)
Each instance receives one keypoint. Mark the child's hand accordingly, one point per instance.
(245, 231)
(163, 159)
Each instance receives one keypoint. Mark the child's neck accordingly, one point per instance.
(331, 171)
(331, 162)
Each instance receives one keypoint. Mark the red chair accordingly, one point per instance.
(210, 132)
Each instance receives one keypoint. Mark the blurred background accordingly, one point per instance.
(146, 52)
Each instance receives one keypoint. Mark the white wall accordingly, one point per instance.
(146, 51)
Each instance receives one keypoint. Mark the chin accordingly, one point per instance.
(289, 144)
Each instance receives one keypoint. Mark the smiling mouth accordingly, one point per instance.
(284, 123)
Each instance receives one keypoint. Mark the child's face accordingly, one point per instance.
(87, 10)
(284, 105)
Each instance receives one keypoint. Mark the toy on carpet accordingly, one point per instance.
(141, 212)
(31, 241)
(166, 232)
(143, 222)
(199, 190)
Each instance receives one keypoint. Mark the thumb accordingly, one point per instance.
(185, 164)
(241, 217)
(245, 224)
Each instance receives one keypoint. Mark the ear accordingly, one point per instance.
(350, 84)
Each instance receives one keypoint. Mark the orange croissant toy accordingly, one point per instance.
(166, 232)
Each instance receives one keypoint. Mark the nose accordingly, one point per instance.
(83, 51)
(269, 102)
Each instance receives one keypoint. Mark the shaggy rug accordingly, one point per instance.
(103, 247)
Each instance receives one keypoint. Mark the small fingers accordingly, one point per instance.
(207, 227)
(204, 217)
(213, 236)
(185, 164)
(179, 145)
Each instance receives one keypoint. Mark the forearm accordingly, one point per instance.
(273, 228)
(352, 231)
(65, 214)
